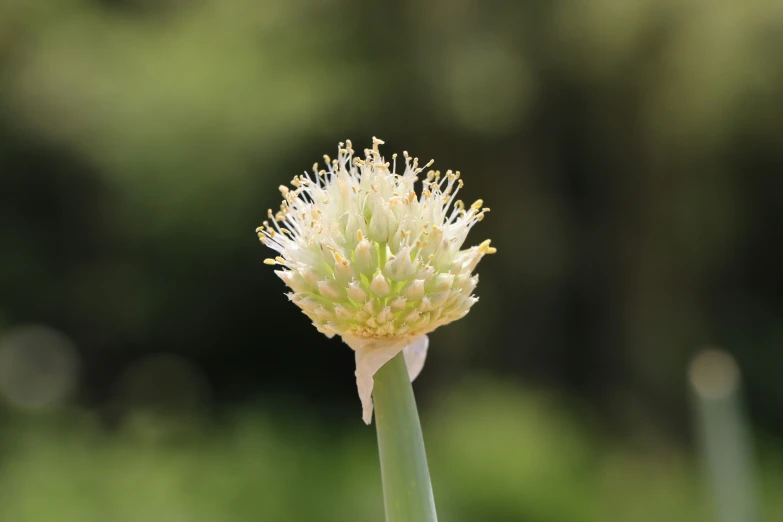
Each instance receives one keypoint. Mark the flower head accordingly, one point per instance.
(370, 259)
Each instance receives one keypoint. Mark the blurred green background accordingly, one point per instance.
(632, 154)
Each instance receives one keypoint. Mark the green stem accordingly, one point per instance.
(407, 492)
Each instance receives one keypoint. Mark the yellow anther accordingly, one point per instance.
(484, 247)
(477, 204)
(359, 235)
(269, 261)
(280, 260)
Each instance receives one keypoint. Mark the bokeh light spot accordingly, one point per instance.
(39, 367)
(714, 374)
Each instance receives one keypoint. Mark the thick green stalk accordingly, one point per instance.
(407, 492)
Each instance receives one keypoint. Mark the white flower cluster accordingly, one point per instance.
(367, 258)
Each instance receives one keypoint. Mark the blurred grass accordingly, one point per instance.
(498, 454)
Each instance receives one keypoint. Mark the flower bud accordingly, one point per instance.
(401, 268)
(323, 313)
(398, 304)
(356, 293)
(383, 224)
(379, 286)
(414, 291)
(364, 257)
(343, 312)
(385, 316)
(443, 282)
(331, 290)
(294, 281)
(343, 271)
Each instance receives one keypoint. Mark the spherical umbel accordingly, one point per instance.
(367, 257)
